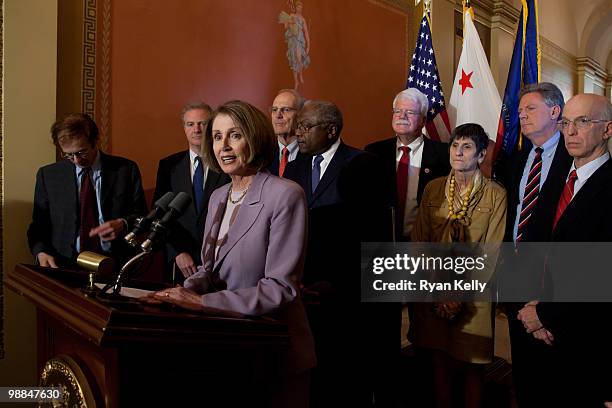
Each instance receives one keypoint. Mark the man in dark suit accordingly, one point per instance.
(358, 342)
(185, 171)
(410, 159)
(534, 178)
(283, 111)
(84, 202)
(579, 334)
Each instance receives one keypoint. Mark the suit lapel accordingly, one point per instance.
(181, 180)
(304, 172)
(331, 173)
(585, 197)
(247, 215)
(109, 178)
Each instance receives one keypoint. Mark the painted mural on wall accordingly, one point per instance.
(297, 40)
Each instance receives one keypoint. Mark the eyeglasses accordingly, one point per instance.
(304, 128)
(581, 122)
(284, 110)
(402, 112)
(72, 156)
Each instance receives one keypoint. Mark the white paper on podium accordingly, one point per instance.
(129, 292)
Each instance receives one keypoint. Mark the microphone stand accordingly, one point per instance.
(124, 272)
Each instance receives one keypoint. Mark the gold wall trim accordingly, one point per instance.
(88, 90)
(104, 121)
(1, 178)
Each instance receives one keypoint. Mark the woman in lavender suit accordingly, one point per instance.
(254, 241)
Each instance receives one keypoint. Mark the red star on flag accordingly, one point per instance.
(465, 81)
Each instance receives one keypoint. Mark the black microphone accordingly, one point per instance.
(143, 223)
(175, 209)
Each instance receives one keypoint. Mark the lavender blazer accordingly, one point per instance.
(258, 270)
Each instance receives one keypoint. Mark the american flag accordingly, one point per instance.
(423, 75)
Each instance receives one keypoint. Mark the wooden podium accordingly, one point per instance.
(124, 353)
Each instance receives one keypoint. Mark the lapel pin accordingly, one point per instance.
(427, 170)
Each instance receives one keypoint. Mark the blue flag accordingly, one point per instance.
(524, 69)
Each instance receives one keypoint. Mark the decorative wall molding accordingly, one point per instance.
(505, 17)
(557, 54)
(88, 84)
(483, 10)
(586, 67)
(591, 66)
(104, 98)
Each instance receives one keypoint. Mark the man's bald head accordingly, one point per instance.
(587, 126)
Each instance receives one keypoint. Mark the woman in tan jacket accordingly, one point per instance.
(465, 207)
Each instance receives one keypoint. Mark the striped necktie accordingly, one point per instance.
(532, 191)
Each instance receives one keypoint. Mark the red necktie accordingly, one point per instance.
(402, 182)
(89, 213)
(566, 197)
(284, 161)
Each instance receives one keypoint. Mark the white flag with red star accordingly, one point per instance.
(474, 97)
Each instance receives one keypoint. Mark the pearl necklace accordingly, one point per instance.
(457, 215)
(239, 199)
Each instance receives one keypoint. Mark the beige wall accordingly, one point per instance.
(29, 90)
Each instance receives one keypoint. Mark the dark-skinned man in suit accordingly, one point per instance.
(346, 203)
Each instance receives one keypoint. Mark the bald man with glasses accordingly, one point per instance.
(283, 112)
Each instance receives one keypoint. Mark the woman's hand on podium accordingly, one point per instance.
(178, 296)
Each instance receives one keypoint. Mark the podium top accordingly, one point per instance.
(58, 293)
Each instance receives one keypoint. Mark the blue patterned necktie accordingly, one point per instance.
(198, 184)
(316, 172)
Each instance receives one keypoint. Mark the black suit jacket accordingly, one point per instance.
(582, 331)
(508, 171)
(174, 174)
(434, 163)
(274, 166)
(345, 209)
(55, 216)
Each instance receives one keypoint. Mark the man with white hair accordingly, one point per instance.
(411, 160)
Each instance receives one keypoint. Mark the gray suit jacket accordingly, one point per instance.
(258, 269)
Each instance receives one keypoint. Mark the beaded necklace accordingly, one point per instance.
(457, 215)
(236, 201)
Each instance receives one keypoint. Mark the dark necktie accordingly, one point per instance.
(566, 196)
(284, 161)
(89, 213)
(402, 184)
(198, 184)
(316, 171)
(532, 191)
